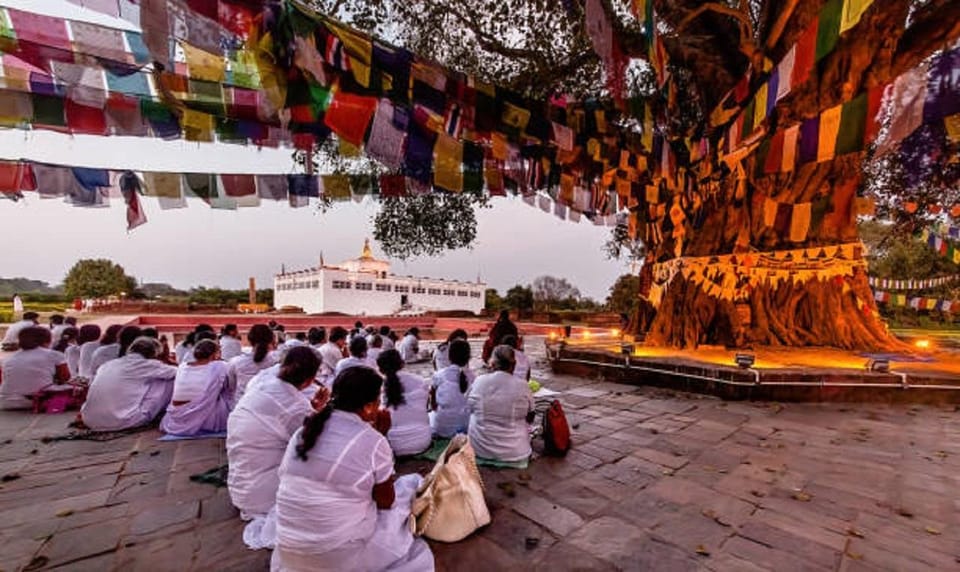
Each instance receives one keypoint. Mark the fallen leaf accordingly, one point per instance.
(854, 532)
(855, 555)
(801, 496)
(524, 476)
(904, 512)
(941, 454)
(64, 512)
(932, 530)
(758, 493)
(702, 550)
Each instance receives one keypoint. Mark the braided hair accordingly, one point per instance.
(354, 388)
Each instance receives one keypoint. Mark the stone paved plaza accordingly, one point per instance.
(656, 481)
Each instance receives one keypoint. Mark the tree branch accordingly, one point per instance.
(780, 24)
(746, 26)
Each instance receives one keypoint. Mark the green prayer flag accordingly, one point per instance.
(853, 124)
(748, 114)
(202, 185)
(828, 31)
(48, 110)
(206, 96)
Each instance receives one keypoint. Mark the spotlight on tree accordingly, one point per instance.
(878, 365)
(745, 361)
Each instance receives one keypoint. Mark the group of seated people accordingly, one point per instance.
(313, 424)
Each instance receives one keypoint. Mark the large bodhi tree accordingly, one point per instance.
(541, 47)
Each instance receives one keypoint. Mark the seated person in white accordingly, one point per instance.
(501, 407)
(184, 349)
(448, 397)
(522, 370)
(129, 391)
(202, 396)
(32, 369)
(230, 346)
(331, 353)
(258, 431)
(110, 350)
(387, 340)
(316, 337)
(67, 345)
(338, 506)
(9, 343)
(358, 356)
(244, 367)
(441, 359)
(410, 345)
(405, 396)
(374, 347)
(89, 341)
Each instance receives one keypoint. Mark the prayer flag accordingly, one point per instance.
(386, 141)
(163, 122)
(472, 167)
(85, 119)
(418, 154)
(828, 27)
(853, 120)
(202, 185)
(204, 65)
(273, 187)
(48, 111)
(800, 222)
(335, 187)
(774, 159)
(131, 187)
(907, 97)
(16, 108)
(448, 163)
(806, 53)
(790, 136)
(562, 136)
(852, 12)
(873, 119)
(11, 178)
(951, 122)
(100, 42)
(393, 186)
(239, 185)
(360, 51)
(943, 86)
(809, 140)
(785, 73)
(197, 126)
(349, 115)
(305, 185)
(760, 106)
(515, 116)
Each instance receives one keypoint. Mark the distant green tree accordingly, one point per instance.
(519, 298)
(552, 293)
(623, 294)
(492, 299)
(98, 278)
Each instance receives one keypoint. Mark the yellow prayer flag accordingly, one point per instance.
(448, 163)
(829, 129)
(197, 126)
(760, 110)
(499, 146)
(852, 12)
(204, 65)
(790, 137)
(515, 116)
(952, 123)
(360, 51)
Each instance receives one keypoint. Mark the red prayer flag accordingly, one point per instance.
(349, 115)
(874, 101)
(11, 177)
(85, 119)
(393, 186)
(303, 141)
(775, 154)
(806, 54)
(239, 185)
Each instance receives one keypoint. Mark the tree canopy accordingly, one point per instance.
(97, 278)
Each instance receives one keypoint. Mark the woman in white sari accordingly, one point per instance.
(258, 431)
(202, 396)
(245, 367)
(338, 507)
(405, 396)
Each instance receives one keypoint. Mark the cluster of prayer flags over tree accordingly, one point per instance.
(893, 284)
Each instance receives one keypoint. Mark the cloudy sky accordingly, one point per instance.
(200, 246)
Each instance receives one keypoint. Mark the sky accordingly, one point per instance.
(198, 246)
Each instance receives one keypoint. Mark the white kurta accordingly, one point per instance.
(85, 367)
(72, 353)
(242, 369)
(128, 392)
(522, 369)
(229, 348)
(25, 373)
(258, 431)
(452, 414)
(102, 355)
(354, 362)
(410, 425)
(409, 348)
(330, 356)
(499, 403)
(326, 515)
(13, 332)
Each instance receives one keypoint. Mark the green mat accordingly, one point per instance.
(440, 445)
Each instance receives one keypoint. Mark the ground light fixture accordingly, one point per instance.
(923, 344)
(745, 361)
(878, 365)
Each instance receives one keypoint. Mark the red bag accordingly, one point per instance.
(556, 431)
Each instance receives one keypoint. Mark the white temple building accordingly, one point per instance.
(365, 287)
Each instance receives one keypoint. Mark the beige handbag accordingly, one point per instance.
(450, 504)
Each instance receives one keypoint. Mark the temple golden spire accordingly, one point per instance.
(367, 253)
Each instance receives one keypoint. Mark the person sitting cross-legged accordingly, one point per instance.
(338, 505)
(405, 396)
(501, 407)
(448, 395)
(245, 367)
(202, 395)
(129, 391)
(10, 343)
(32, 369)
(358, 356)
(258, 431)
